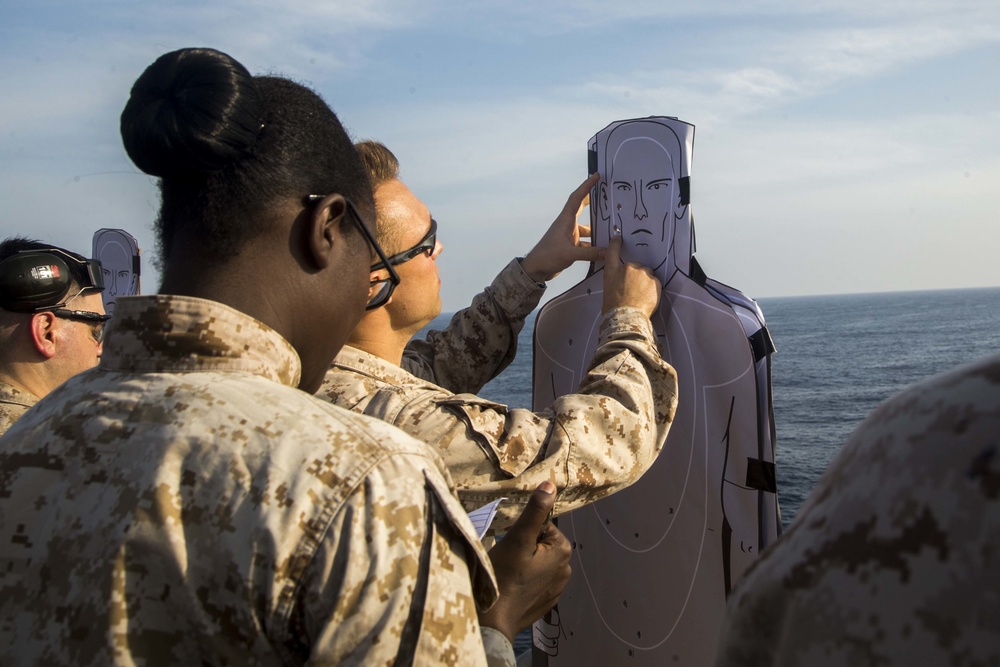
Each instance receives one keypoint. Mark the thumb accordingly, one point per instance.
(581, 196)
(525, 530)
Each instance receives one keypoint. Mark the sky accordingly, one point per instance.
(841, 145)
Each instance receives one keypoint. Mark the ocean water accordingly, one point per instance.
(838, 358)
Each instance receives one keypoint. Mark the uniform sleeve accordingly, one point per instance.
(889, 560)
(397, 575)
(481, 340)
(589, 444)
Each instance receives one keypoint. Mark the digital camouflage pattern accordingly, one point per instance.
(481, 340)
(588, 444)
(13, 403)
(184, 504)
(893, 559)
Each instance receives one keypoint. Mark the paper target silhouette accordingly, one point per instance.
(654, 563)
(118, 252)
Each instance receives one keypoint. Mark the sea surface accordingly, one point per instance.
(838, 358)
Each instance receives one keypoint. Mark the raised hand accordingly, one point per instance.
(560, 246)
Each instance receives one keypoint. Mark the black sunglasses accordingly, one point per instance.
(379, 291)
(96, 321)
(425, 246)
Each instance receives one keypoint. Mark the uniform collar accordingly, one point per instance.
(13, 396)
(365, 363)
(165, 333)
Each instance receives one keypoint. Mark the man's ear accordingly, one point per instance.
(372, 277)
(323, 229)
(43, 333)
(603, 204)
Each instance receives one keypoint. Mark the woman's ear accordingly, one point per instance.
(323, 229)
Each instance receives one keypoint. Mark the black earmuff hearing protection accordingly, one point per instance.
(37, 280)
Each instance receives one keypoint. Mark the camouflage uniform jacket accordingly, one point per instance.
(184, 503)
(589, 444)
(894, 558)
(13, 404)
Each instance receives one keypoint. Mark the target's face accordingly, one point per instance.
(643, 195)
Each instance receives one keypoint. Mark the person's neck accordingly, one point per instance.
(271, 302)
(388, 347)
(376, 335)
(228, 285)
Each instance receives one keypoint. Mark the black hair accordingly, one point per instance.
(16, 244)
(228, 146)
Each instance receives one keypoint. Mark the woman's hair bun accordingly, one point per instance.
(193, 111)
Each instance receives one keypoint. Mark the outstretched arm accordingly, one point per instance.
(589, 444)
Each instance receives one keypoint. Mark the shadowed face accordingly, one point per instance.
(79, 350)
(642, 194)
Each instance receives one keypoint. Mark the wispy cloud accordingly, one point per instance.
(498, 133)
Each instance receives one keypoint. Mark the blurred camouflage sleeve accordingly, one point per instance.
(481, 340)
(893, 558)
(589, 444)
